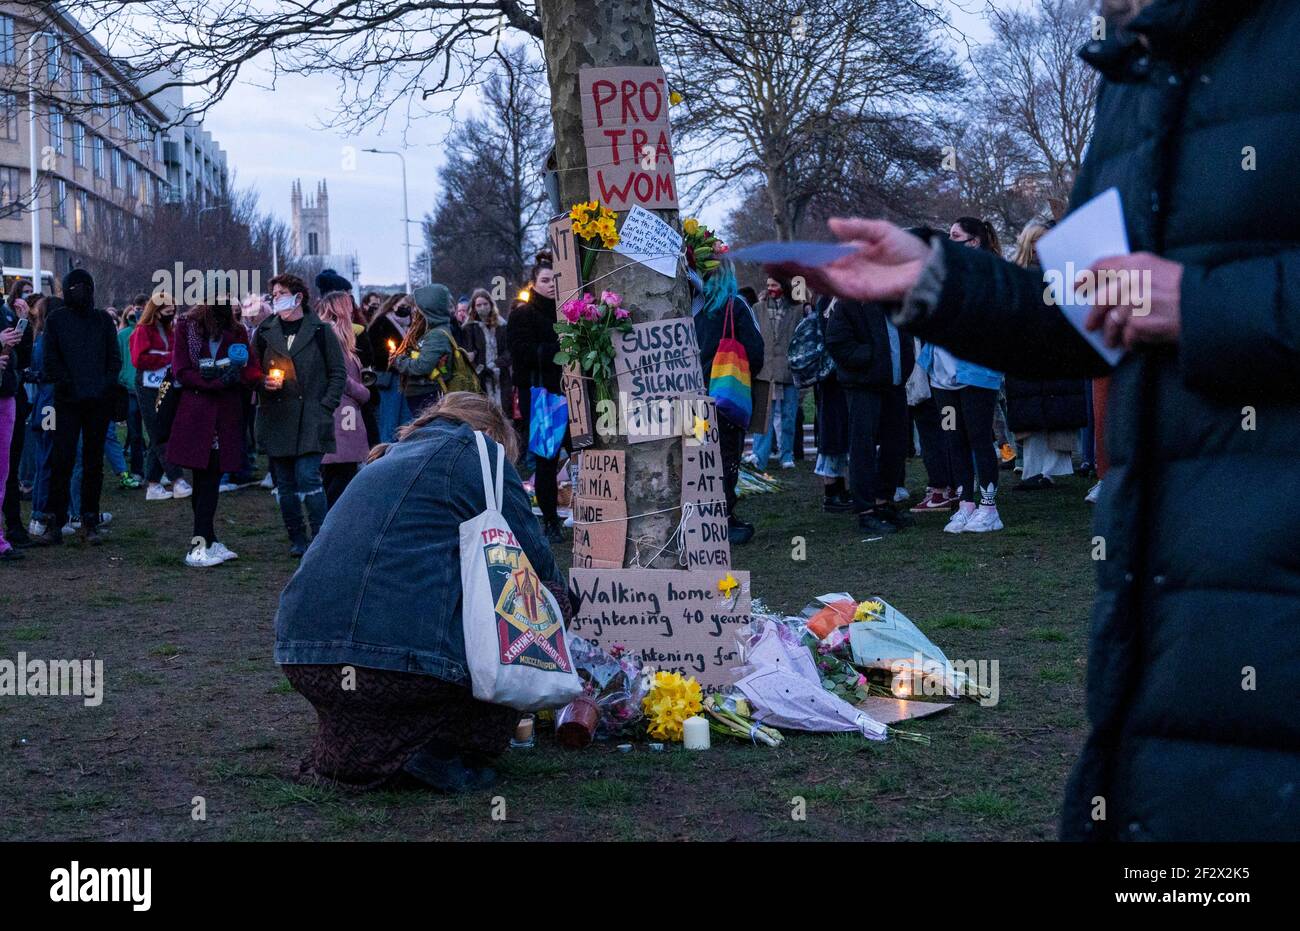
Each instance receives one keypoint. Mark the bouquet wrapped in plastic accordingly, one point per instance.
(614, 680)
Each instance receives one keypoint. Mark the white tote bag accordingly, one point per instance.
(516, 646)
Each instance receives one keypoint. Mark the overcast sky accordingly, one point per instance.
(273, 137)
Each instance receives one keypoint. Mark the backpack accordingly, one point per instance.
(460, 375)
(809, 360)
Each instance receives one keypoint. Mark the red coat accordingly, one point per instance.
(150, 351)
(207, 408)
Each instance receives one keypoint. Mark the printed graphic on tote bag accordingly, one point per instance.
(530, 630)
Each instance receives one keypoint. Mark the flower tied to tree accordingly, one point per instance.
(702, 247)
(585, 338)
(672, 699)
(596, 226)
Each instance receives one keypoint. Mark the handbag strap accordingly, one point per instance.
(729, 321)
(492, 494)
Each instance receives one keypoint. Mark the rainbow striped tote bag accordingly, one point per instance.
(729, 381)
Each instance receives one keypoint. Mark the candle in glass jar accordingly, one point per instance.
(695, 733)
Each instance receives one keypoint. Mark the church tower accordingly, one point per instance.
(311, 220)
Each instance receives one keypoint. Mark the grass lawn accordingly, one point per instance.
(194, 705)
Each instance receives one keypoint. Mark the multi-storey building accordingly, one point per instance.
(195, 163)
(99, 155)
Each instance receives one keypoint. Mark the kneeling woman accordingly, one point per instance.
(369, 628)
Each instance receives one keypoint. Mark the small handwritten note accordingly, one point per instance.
(647, 239)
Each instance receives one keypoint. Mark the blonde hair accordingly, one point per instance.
(1026, 243)
(335, 309)
(478, 412)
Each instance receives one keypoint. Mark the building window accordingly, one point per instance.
(97, 92)
(54, 60)
(8, 54)
(11, 254)
(62, 262)
(59, 192)
(76, 75)
(131, 189)
(81, 218)
(11, 192)
(56, 130)
(9, 115)
(79, 144)
(311, 244)
(117, 168)
(97, 155)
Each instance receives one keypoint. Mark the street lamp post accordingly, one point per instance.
(406, 211)
(34, 164)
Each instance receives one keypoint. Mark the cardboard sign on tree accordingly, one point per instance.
(658, 368)
(627, 137)
(672, 620)
(600, 510)
(568, 283)
(704, 522)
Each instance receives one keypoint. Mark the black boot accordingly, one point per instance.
(553, 530)
(291, 514)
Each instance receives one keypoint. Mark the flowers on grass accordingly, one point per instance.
(869, 611)
(673, 698)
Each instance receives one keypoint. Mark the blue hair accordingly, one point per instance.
(719, 287)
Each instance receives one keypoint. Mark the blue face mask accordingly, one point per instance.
(284, 303)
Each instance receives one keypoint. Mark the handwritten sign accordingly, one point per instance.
(704, 523)
(627, 138)
(672, 620)
(568, 282)
(600, 510)
(658, 367)
(648, 239)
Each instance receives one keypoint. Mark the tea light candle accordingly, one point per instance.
(524, 729)
(695, 733)
(276, 376)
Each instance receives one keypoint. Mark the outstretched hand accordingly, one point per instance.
(886, 266)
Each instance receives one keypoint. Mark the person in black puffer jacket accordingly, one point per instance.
(82, 360)
(872, 362)
(1194, 662)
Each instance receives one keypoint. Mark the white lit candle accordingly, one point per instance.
(695, 733)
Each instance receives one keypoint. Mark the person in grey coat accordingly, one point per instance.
(305, 379)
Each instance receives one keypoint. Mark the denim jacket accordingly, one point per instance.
(968, 373)
(380, 585)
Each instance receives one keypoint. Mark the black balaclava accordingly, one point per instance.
(79, 290)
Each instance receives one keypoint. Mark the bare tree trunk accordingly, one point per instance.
(606, 33)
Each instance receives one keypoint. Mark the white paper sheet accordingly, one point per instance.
(1094, 231)
(647, 239)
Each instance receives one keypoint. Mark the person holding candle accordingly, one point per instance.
(211, 364)
(305, 380)
(387, 331)
(376, 607)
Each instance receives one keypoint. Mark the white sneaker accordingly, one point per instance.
(202, 558)
(1093, 494)
(157, 492)
(749, 460)
(181, 489)
(166, 482)
(986, 520)
(222, 552)
(901, 494)
(267, 481)
(965, 511)
(568, 521)
(36, 528)
(71, 527)
(227, 486)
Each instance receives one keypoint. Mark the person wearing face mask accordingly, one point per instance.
(212, 365)
(387, 331)
(778, 316)
(304, 382)
(485, 345)
(82, 362)
(127, 379)
(151, 353)
(533, 345)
